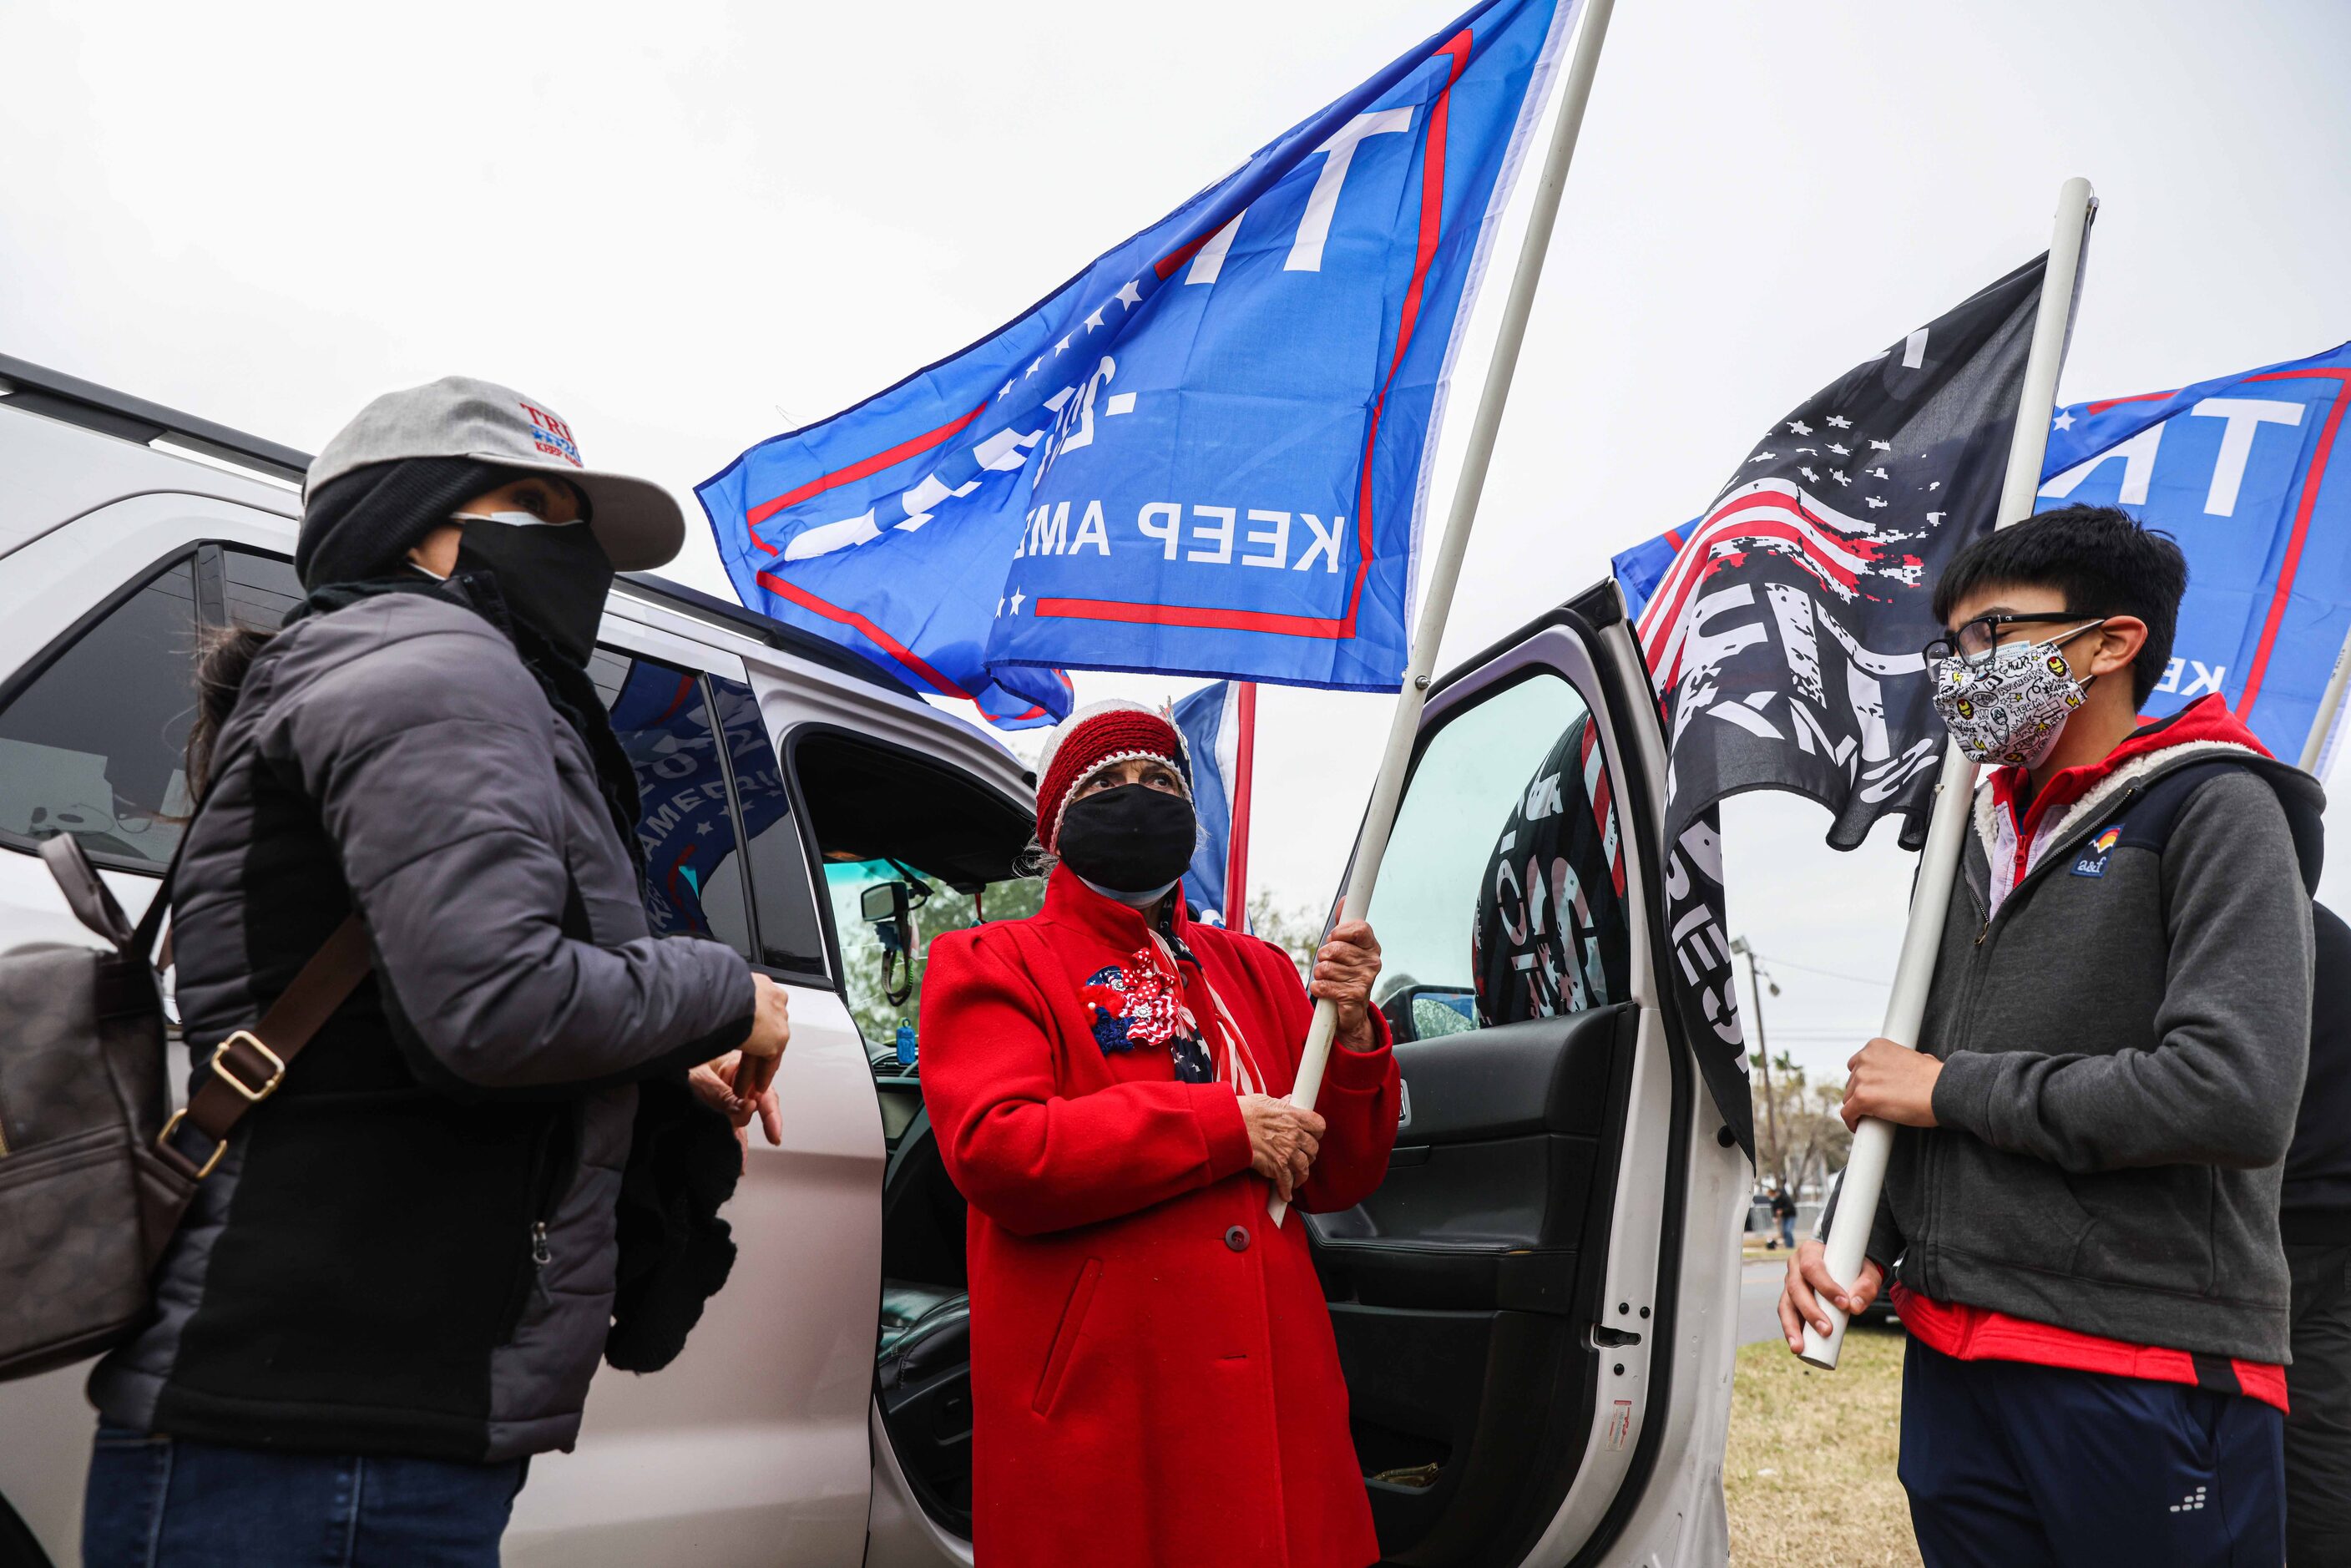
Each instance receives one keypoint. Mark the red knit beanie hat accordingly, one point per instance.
(1091, 739)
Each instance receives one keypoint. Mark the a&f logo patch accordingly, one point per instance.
(2093, 859)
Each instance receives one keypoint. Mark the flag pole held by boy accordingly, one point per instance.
(1865, 1173)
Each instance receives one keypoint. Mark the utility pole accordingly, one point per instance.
(1756, 980)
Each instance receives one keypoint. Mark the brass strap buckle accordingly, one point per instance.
(163, 1145)
(276, 1062)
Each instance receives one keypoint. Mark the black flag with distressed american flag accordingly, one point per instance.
(1785, 638)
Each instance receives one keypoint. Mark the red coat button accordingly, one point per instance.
(1238, 1239)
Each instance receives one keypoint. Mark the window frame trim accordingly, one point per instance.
(30, 673)
(743, 843)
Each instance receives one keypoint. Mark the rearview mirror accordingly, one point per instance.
(889, 907)
(883, 901)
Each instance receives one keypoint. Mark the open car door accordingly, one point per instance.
(1536, 1311)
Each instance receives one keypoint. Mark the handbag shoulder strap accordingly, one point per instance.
(247, 1067)
(92, 901)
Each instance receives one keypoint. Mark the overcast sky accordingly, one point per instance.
(691, 226)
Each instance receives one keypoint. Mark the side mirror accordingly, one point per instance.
(889, 908)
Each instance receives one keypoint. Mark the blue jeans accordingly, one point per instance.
(1787, 1230)
(168, 1502)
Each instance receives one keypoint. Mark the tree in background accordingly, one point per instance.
(1799, 1137)
(1295, 929)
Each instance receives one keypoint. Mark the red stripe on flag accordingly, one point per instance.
(1200, 616)
(888, 644)
(856, 471)
(1688, 573)
(1601, 797)
(1673, 538)
(677, 698)
(1431, 225)
(2135, 397)
(2305, 504)
(1167, 265)
(1243, 785)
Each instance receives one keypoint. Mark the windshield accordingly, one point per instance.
(934, 908)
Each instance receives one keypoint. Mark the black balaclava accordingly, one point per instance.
(555, 576)
(363, 524)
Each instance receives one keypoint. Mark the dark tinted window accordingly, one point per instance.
(93, 746)
(259, 589)
(790, 935)
(693, 876)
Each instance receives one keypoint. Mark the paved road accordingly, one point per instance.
(1758, 1298)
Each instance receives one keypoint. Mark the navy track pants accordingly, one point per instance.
(2014, 1466)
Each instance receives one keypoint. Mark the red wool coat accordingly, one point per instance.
(1152, 1374)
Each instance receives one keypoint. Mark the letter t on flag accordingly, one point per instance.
(1208, 453)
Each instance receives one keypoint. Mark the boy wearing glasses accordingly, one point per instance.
(2081, 1218)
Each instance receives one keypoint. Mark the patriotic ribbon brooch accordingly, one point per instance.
(1138, 1003)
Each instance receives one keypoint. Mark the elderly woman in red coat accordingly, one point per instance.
(1154, 1377)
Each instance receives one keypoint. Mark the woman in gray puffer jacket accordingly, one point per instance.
(395, 1284)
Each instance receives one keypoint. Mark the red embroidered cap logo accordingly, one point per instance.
(551, 435)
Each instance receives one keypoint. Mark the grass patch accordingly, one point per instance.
(1808, 1475)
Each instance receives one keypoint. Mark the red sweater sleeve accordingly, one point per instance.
(1031, 1160)
(1358, 1100)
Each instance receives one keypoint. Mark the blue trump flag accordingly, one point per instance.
(2237, 470)
(1206, 454)
(1210, 720)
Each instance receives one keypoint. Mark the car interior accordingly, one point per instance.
(1465, 1293)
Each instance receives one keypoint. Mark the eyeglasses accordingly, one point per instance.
(1974, 643)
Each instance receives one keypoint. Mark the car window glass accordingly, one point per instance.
(867, 987)
(791, 934)
(694, 877)
(1501, 894)
(94, 746)
(259, 589)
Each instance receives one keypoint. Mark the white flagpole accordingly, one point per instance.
(1387, 788)
(2321, 724)
(1939, 864)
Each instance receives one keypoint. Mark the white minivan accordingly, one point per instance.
(1535, 1312)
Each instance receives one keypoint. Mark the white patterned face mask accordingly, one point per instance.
(2008, 707)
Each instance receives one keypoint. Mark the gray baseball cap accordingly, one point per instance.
(636, 521)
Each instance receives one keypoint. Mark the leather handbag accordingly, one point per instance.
(94, 1173)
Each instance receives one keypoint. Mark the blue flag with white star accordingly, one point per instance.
(1206, 454)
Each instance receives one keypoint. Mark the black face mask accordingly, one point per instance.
(1132, 839)
(553, 576)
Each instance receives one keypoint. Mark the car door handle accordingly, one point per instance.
(1403, 1103)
